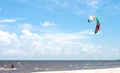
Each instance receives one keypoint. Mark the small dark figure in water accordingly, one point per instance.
(12, 66)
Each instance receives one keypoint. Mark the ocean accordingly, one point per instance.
(57, 65)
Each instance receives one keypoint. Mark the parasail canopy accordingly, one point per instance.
(92, 18)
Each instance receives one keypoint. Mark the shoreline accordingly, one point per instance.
(7, 69)
(107, 70)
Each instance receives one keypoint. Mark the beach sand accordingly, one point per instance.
(109, 70)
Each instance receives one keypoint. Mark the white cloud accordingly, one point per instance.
(27, 26)
(87, 32)
(48, 27)
(48, 24)
(33, 44)
(6, 37)
(92, 3)
(8, 20)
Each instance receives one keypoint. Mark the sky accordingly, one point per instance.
(59, 30)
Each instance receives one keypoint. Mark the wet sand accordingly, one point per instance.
(109, 70)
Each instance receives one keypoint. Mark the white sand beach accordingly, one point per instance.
(109, 70)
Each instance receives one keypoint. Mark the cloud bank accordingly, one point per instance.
(8, 20)
(29, 44)
(32, 45)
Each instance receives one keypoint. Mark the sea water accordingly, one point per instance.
(34, 66)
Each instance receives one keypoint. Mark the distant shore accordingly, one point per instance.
(109, 70)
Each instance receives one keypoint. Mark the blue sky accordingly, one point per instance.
(58, 30)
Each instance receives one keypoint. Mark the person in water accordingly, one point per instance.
(12, 66)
